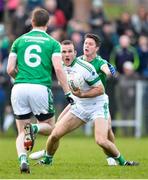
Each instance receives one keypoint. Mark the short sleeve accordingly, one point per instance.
(56, 48)
(91, 77)
(14, 46)
(103, 62)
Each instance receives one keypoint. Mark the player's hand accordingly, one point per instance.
(77, 92)
(112, 69)
(70, 98)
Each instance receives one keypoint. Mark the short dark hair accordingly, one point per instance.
(95, 37)
(40, 17)
(67, 42)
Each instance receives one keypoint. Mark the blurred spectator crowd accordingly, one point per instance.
(124, 44)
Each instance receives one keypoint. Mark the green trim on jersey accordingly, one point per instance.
(97, 62)
(74, 61)
(90, 83)
(89, 69)
(81, 63)
(84, 65)
(34, 51)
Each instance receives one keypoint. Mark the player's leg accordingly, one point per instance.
(21, 151)
(66, 109)
(46, 126)
(43, 127)
(101, 137)
(111, 161)
(51, 122)
(101, 132)
(39, 154)
(110, 149)
(68, 123)
(22, 113)
(111, 136)
(41, 103)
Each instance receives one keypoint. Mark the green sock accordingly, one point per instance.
(48, 158)
(121, 160)
(23, 158)
(35, 128)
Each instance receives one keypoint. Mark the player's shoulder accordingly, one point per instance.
(85, 65)
(53, 40)
(17, 40)
(101, 60)
(98, 57)
(80, 57)
(39, 34)
(24, 36)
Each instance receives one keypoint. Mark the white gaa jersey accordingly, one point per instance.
(86, 71)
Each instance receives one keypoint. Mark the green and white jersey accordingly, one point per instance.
(90, 77)
(34, 51)
(98, 62)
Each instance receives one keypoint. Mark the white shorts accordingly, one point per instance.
(90, 112)
(35, 98)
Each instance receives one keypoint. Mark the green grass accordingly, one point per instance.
(77, 157)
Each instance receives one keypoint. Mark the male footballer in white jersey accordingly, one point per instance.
(88, 99)
(91, 46)
(30, 64)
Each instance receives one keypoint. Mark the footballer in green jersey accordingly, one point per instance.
(30, 63)
(91, 46)
(34, 51)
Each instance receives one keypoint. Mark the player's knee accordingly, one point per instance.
(101, 141)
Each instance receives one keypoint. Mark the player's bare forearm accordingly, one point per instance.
(61, 76)
(106, 70)
(12, 66)
(13, 74)
(95, 91)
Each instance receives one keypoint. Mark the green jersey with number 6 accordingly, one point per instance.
(98, 62)
(34, 51)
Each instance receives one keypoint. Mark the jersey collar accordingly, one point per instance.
(36, 29)
(73, 63)
(84, 58)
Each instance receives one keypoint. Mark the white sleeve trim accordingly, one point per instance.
(56, 54)
(97, 83)
(103, 65)
(12, 54)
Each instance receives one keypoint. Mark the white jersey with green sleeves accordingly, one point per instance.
(90, 76)
(34, 51)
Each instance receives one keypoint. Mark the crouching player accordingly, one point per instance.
(88, 100)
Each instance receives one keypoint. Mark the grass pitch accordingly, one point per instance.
(78, 157)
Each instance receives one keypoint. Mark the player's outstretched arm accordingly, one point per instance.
(108, 69)
(112, 69)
